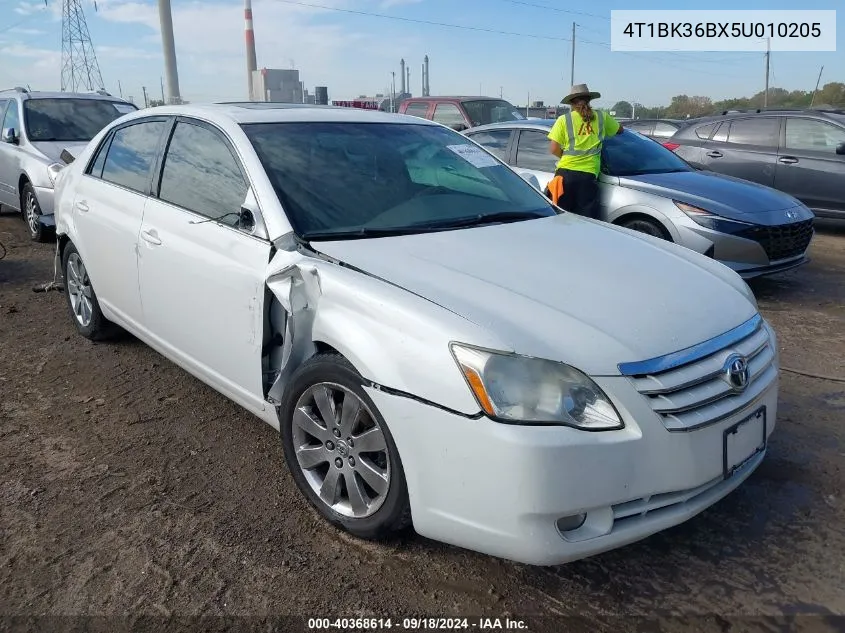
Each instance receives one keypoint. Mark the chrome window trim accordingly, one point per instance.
(693, 353)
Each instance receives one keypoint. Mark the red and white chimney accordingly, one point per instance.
(249, 34)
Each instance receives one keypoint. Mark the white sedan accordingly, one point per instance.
(438, 345)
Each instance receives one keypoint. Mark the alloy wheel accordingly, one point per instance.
(341, 450)
(79, 290)
(31, 212)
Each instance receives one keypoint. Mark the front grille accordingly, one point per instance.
(690, 389)
(783, 241)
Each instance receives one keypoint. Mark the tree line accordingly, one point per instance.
(683, 106)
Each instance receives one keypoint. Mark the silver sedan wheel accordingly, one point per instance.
(31, 212)
(79, 290)
(341, 450)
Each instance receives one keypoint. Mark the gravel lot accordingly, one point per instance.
(130, 489)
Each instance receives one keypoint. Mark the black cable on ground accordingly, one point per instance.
(812, 375)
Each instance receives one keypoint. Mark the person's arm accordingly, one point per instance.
(611, 125)
(557, 138)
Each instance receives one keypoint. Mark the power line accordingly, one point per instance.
(24, 20)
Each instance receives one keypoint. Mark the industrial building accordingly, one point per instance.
(274, 84)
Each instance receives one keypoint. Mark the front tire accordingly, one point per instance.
(647, 226)
(31, 212)
(340, 452)
(81, 299)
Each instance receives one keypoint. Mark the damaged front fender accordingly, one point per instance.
(395, 339)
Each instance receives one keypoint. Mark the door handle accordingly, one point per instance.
(151, 237)
(787, 160)
(714, 154)
(82, 206)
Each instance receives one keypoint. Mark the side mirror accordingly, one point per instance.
(246, 221)
(531, 179)
(840, 149)
(10, 136)
(459, 127)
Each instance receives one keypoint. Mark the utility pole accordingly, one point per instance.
(393, 91)
(501, 92)
(572, 72)
(146, 103)
(768, 58)
(818, 81)
(169, 46)
(120, 88)
(161, 81)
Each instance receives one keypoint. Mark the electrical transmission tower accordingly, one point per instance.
(79, 63)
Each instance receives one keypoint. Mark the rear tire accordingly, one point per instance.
(647, 226)
(340, 452)
(81, 299)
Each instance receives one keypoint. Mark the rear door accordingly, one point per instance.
(532, 155)
(108, 209)
(809, 167)
(745, 148)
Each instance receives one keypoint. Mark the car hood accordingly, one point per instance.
(564, 288)
(53, 149)
(718, 193)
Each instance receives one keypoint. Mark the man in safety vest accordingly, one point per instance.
(577, 138)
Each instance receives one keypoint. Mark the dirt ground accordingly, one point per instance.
(130, 490)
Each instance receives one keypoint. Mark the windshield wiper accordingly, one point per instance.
(364, 232)
(487, 218)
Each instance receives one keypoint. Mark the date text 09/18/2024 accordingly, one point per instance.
(417, 624)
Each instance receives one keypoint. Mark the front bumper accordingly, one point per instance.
(46, 198)
(500, 489)
(745, 256)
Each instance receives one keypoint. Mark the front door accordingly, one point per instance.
(201, 277)
(9, 155)
(532, 155)
(809, 167)
(107, 212)
(745, 148)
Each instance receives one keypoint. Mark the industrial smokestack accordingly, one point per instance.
(166, 20)
(402, 73)
(427, 85)
(249, 34)
(422, 80)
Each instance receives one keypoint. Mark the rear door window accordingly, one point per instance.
(757, 131)
(132, 154)
(418, 109)
(705, 131)
(448, 114)
(532, 152)
(495, 141)
(721, 134)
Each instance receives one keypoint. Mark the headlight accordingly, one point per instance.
(527, 390)
(53, 172)
(710, 220)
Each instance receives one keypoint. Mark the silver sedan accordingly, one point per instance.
(753, 229)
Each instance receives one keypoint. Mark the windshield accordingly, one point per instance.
(630, 154)
(372, 179)
(68, 119)
(487, 111)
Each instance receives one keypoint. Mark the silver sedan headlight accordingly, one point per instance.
(520, 389)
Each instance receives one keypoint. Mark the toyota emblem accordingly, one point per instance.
(736, 371)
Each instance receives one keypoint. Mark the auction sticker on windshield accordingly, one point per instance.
(475, 156)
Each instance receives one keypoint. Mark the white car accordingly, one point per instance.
(438, 345)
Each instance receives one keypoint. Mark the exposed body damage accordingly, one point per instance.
(386, 332)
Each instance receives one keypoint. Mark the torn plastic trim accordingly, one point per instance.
(404, 394)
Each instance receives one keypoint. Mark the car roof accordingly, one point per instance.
(527, 124)
(268, 112)
(40, 94)
(453, 98)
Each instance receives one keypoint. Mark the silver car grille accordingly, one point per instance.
(692, 388)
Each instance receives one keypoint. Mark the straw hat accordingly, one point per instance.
(580, 90)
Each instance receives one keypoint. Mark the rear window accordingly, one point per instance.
(68, 119)
(629, 154)
(762, 131)
(705, 131)
(417, 109)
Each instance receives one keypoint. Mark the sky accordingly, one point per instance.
(355, 54)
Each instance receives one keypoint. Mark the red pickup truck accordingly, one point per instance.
(461, 113)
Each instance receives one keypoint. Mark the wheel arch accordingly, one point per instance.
(650, 214)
